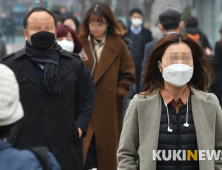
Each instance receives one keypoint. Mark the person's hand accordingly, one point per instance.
(83, 55)
(80, 132)
(209, 51)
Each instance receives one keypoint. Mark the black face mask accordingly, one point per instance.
(43, 40)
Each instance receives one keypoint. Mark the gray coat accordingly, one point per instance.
(141, 130)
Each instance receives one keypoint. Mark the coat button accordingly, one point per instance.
(24, 78)
(14, 137)
(110, 89)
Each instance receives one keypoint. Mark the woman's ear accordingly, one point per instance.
(160, 67)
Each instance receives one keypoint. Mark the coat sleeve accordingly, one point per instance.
(79, 84)
(87, 106)
(126, 72)
(127, 154)
(218, 132)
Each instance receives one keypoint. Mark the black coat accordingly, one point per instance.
(148, 49)
(216, 87)
(147, 37)
(49, 118)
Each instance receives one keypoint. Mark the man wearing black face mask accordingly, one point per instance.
(51, 89)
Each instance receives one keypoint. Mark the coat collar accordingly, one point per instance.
(108, 55)
(28, 71)
(201, 114)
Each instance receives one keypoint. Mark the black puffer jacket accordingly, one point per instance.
(182, 138)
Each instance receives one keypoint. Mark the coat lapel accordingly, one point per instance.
(202, 115)
(28, 71)
(203, 119)
(108, 55)
(64, 69)
(90, 61)
(150, 121)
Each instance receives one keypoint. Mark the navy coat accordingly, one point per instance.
(87, 106)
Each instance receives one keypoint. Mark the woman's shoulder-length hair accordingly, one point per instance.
(98, 12)
(203, 74)
(63, 30)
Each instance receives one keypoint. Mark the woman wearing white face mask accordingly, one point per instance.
(140, 36)
(69, 41)
(174, 115)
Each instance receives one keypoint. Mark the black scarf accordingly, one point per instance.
(50, 59)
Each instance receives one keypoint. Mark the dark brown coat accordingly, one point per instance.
(113, 75)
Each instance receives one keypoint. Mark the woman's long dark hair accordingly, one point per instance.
(153, 79)
(97, 12)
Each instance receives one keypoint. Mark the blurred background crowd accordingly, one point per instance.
(12, 12)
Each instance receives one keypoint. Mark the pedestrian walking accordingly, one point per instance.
(113, 72)
(174, 113)
(51, 90)
(140, 37)
(170, 21)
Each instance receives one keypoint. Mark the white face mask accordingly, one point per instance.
(177, 74)
(67, 45)
(137, 22)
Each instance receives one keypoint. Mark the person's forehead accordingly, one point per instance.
(69, 34)
(181, 53)
(97, 20)
(70, 21)
(40, 23)
(40, 17)
(178, 48)
(136, 14)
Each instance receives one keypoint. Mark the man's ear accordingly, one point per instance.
(160, 27)
(26, 35)
(181, 25)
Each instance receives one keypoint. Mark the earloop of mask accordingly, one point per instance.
(161, 64)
